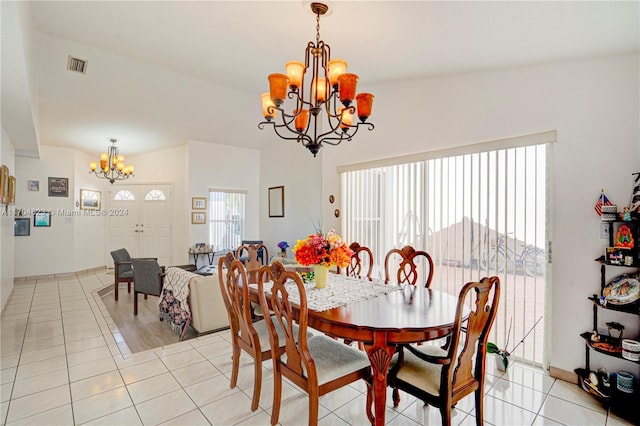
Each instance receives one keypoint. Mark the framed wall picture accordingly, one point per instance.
(33, 185)
(11, 190)
(198, 203)
(198, 217)
(21, 226)
(4, 181)
(41, 219)
(58, 187)
(276, 201)
(90, 199)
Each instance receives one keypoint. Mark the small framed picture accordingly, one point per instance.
(21, 227)
(41, 219)
(276, 201)
(33, 185)
(198, 203)
(198, 217)
(90, 200)
(58, 187)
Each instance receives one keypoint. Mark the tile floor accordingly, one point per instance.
(63, 362)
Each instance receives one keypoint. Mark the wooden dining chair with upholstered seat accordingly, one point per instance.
(318, 365)
(253, 256)
(442, 377)
(361, 262)
(407, 266)
(246, 335)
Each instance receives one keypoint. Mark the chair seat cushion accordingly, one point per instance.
(263, 333)
(422, 374)
(334, 359)
(126, 274)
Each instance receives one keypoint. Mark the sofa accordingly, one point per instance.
(208, 313)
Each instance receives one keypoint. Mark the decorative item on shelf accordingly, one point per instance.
(622, 290)
(631, 349)
(602, 202)
(283, 246)
(111, 165)
(322, 250)
(609, 213)
(634, 202)
(314, 95)
(624, 382)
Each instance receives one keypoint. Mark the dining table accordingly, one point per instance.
(381, 316)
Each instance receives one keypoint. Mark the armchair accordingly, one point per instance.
(148, 279)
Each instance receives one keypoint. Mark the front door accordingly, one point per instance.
(144, 227)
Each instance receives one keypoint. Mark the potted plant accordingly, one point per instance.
(503, 355)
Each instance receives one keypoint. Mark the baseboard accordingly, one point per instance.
(567, 376)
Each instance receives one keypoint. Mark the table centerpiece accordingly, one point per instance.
(322, 251)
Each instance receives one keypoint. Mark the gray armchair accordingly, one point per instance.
(148, 276)
(123, 272)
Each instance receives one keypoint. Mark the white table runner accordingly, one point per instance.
(340, 291)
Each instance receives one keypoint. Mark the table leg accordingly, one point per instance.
(195, 260)
(211, 256)
(380, 357)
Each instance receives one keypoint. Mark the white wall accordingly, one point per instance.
(7, 157)
(215, 166)
(48, 250)
(287, 163)
(593, 105)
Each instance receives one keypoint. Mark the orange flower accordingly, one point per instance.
(319, 249)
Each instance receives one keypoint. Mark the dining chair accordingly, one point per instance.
(317, 365)
(441, 377)
(256, 256)
(246, 335)
(362, 258)
(148, 279)
(408, 264)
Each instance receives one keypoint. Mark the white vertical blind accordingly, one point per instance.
(477, 214)
(226, 219)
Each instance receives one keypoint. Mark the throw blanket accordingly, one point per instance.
(174, 306)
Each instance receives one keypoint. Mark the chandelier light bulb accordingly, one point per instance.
(112, 165)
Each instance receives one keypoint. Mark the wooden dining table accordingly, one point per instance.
(408, 315)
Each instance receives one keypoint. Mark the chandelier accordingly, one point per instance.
(112, 165)
(327, 88)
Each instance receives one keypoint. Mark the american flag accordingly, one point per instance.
(602, 201)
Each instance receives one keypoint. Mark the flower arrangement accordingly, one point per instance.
(283, 245)
(323, 249)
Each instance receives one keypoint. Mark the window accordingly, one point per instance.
(155, 195)
(477, 214)
(124, 195)
(226, 223)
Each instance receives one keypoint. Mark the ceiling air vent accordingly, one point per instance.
(77, 65)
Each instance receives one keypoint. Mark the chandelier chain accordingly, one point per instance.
(317, 28)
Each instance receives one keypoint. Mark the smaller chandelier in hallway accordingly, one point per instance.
(112, 165)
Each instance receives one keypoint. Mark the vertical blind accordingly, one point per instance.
(226, 218)
(476, 214)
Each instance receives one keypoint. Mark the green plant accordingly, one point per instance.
(492, 348)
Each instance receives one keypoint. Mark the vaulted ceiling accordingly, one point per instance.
(162, 72)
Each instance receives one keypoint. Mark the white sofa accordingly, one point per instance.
(208, 313)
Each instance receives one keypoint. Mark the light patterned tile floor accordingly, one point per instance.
(63, 362)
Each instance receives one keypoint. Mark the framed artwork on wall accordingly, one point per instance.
(21, 227)
(11, 191)
(198, 203)
(276, 201)
(41, 219)
(58, 187)
(4, 181)
(90, 200)
(33, 185)
(198, 218)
